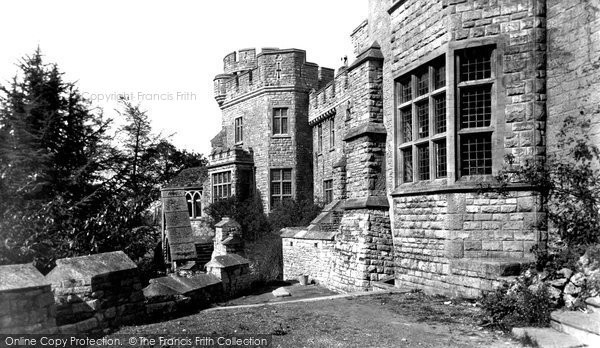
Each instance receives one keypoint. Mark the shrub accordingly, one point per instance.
(291, 213)
(569, 184)
(248, 213)
(518, 304)
(266, 259)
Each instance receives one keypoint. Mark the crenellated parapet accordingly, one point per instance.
(230, 155)
(246, 72)
(325, 101)
(242, 60)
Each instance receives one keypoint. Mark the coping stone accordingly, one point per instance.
(225, 261)
(155, 289)
(87, 267)
(22, 276)
(185, 285)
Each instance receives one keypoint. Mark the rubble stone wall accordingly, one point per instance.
(363, 250)
(311, 257)
(97, 292)
(26, 301)
(360, 253)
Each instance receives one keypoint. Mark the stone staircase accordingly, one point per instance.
(569, 329)
(204, 253)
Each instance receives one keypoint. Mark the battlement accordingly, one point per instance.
(332, 94)
(246, 71)
(244, 59)
(230, 155)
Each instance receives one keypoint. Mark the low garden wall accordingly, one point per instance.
(234, 273)
(26, 301)
(97, 292)
(173, 293)
(93, 294)
(307, 254)
(349, 259)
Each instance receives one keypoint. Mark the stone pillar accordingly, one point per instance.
(26, 301)
(339, 179)
(228, 238)
(363, 246)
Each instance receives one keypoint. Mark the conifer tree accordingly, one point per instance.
(52, 152)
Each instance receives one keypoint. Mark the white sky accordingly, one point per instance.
(169, 47)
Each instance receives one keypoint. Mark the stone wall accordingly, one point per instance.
(97, 292)
(330, 108)
(179, 294)
(331, 154)
(255, 106)
(347, 260)
(360, 37)
(434, 232)
(573, 77)
(233, 271)
(306, 256)
(27, 303)
(363, 250)
(427, 237)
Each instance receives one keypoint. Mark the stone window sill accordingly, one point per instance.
(441, 186)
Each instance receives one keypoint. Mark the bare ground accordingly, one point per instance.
(379, 320)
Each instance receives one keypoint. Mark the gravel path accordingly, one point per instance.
(378, 320)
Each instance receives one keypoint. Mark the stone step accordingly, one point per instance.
(593, 303)
(489, 267)
(593, 307)
(583, 326)
(547, 337)
(384, 284)
(203, 254)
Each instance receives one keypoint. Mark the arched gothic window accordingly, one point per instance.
(194, 203)
(188, 198)
(197, 200)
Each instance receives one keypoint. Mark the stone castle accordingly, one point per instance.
(399, 142)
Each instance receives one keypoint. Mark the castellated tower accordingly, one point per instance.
(265, 146)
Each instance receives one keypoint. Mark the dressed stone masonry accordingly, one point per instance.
(26, 301)
(406, 141)
(413, 122)
(359, 251)
(96, 292)
(265, 136)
